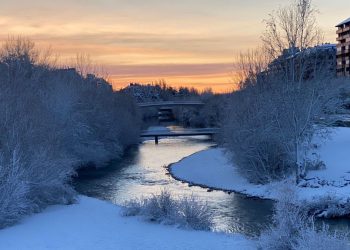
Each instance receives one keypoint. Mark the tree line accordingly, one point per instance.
(54, 120)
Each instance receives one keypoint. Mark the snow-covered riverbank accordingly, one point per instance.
(94, 224)
(211, 168)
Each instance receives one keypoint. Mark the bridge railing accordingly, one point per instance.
(183, 132)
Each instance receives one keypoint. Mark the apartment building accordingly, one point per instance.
(343, 48)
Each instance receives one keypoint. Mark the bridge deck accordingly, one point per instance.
(170, 104)
(175, 133)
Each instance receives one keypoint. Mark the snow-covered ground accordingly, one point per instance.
(94, 224)
(211, 168)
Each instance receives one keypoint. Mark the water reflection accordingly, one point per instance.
(142, 172)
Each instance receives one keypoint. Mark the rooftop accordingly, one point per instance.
(344, 22)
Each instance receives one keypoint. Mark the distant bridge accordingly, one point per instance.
(170, 104)
(175, 133)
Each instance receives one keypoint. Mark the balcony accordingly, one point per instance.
(347, 43)
(341, 30)
(343, 52)
(344, 37)
(341, 68)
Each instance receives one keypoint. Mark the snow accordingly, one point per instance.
(211, 168)
(335, 154)
(95, 224)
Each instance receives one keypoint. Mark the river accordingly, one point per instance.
(142, 172)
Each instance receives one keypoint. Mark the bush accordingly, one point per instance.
(294, 230)
(14, 190)
(288, 220)
(311, 239)
(328, 207)
(193, 214)
(163, 208)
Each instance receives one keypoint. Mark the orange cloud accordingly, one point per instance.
(192, 43)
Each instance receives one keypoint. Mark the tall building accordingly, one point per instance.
(343, 48)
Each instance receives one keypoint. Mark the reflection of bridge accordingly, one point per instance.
(170, 104)
(183, 132)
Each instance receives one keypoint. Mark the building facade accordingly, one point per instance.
(343, 48)
(307, 64)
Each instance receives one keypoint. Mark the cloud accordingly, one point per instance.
(170, 69)
(217, 76)
(183, 41)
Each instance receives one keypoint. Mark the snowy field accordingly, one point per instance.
(211, 168)
(94, 224)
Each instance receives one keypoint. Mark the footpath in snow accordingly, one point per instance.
(211, 168)
(94, 224)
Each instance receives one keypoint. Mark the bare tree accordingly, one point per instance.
(84, 64)
(292, 26)
(289, 32)
(248, 66)
(22, 50)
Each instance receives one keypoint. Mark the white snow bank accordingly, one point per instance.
(211, 168)
(335, 153)
(95, 224)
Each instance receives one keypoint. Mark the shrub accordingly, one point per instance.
(163, 208)
(311, 239)
(14, 191)
(158, 208)
(194, 214)
(288, 222)
(328, 207)
(294, 230)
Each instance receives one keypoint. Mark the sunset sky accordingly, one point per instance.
(184, 42)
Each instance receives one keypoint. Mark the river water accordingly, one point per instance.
(142, 172)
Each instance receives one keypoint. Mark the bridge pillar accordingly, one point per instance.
(156, 139)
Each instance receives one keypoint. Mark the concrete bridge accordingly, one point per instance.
(170, 104)
(183, 132)
(165, 108)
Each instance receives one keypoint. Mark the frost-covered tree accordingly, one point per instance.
(268, 128)
(282, 100)
(54, 120)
